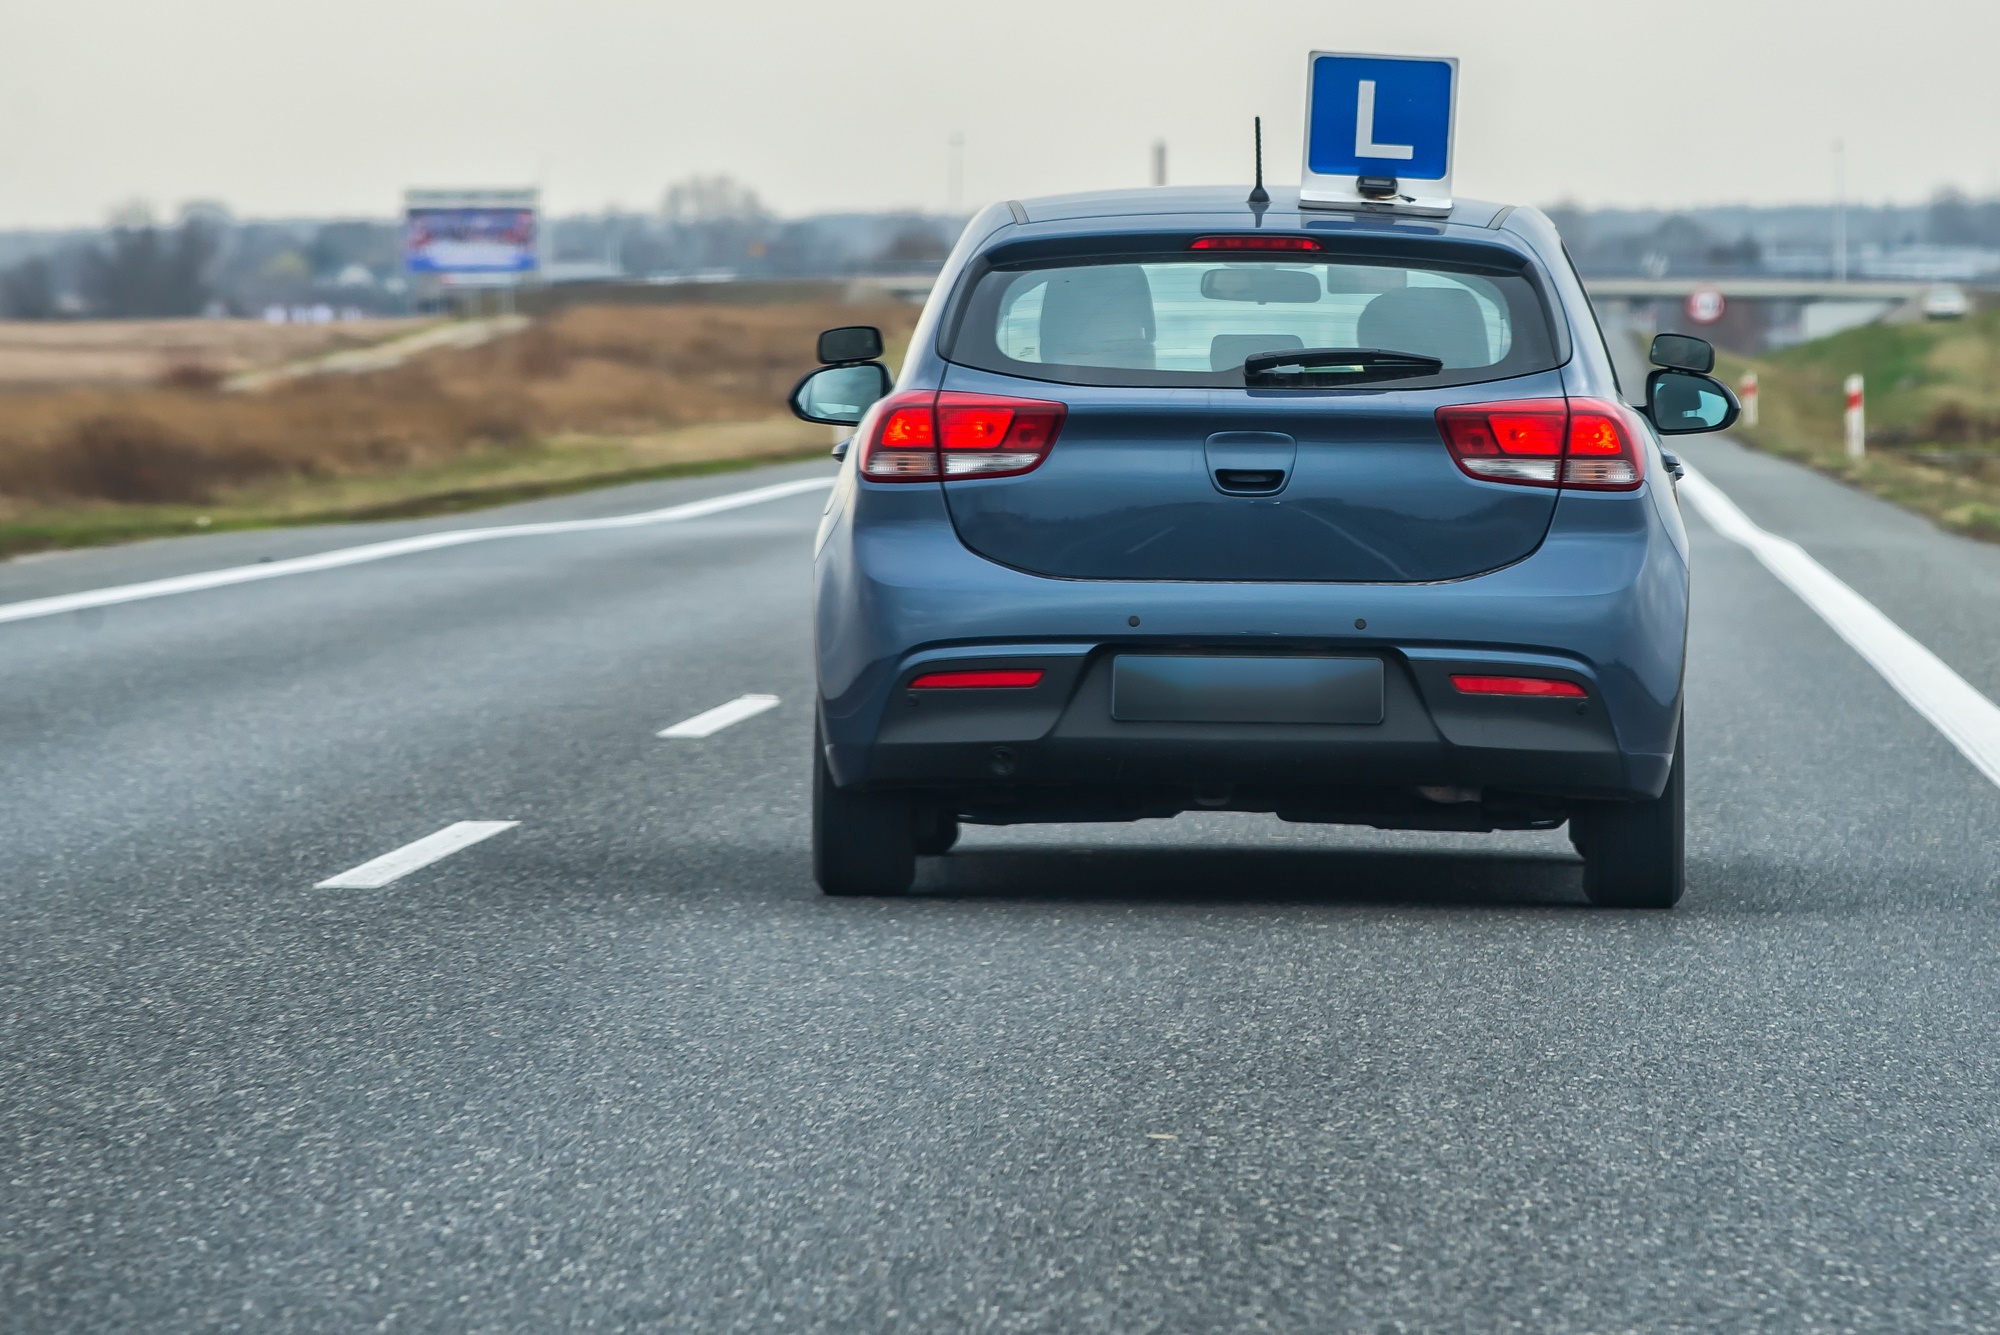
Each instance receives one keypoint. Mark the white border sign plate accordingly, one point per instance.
(1369, 115)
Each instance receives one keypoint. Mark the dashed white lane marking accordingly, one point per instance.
(400, 863)
(1968, 719)
(382, 551)
(715, 720)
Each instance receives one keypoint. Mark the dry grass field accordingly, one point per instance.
(583, 397)
(141, 352)
(1933, 413)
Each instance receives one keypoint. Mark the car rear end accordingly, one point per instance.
(1130, 539)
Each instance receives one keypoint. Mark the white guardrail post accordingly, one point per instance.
(1746, 394)
(1857, 421)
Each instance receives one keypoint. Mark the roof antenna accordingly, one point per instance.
(1259, 195)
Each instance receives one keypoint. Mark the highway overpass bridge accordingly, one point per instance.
(1756, 314)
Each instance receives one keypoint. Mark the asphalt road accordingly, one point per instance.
(621, 1067)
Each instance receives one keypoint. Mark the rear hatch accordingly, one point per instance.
(1171, 464)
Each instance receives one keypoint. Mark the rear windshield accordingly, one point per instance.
(1191, 320)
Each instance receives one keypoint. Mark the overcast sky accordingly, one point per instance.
(286, 108)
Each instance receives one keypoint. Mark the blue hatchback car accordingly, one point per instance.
(1182, 502)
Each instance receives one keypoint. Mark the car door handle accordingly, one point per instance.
(1250, 463)
(1250, 481)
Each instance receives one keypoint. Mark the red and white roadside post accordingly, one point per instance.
(1857, 422)
(1746, 394)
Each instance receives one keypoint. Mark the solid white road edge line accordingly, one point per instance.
(400, 863)
(712, 721)
(1968, 719)
(382, 551)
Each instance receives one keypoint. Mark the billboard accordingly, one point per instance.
(471, 231)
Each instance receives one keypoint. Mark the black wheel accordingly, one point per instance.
(863, 843)
(937, 831)
(1633, 852)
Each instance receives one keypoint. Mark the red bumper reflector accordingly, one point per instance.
(978, 679)
(1254, 243)
(1470, 685)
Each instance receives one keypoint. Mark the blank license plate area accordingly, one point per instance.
(1148, 688)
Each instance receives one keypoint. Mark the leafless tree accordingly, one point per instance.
(28, 290)
(149, 271)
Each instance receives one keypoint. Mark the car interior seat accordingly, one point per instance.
(1226, 352)
(1441, 322)
(1098, 315)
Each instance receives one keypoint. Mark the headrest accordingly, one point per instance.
(1226, 352)
(1441, 322)
(1098, 315)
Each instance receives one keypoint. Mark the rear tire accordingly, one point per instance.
(937, 831)
(863, 843)
(1634, 853)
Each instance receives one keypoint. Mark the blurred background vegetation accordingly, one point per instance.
(1933, 413)
(581, 397)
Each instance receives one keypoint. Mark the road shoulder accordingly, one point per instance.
(1941, 588)
(49, 574)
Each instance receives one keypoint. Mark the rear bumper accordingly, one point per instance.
(1062, 733)
(1603, 602)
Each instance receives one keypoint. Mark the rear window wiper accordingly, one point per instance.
(1330, 368)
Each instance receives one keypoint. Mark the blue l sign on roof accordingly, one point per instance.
(1379, 116)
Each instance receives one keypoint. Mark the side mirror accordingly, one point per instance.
(1683, 352)
(850, 343)
(1681, 403)
(839, 395)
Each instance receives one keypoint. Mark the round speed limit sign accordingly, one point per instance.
(1705, 305)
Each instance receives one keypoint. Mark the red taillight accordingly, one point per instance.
(1254, 243)
(1585, 443)
(987, 436)
(899, 439)
(922, 436)
(1603, 447)
(978, 679)
(1507, 442)
(1542, 686)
